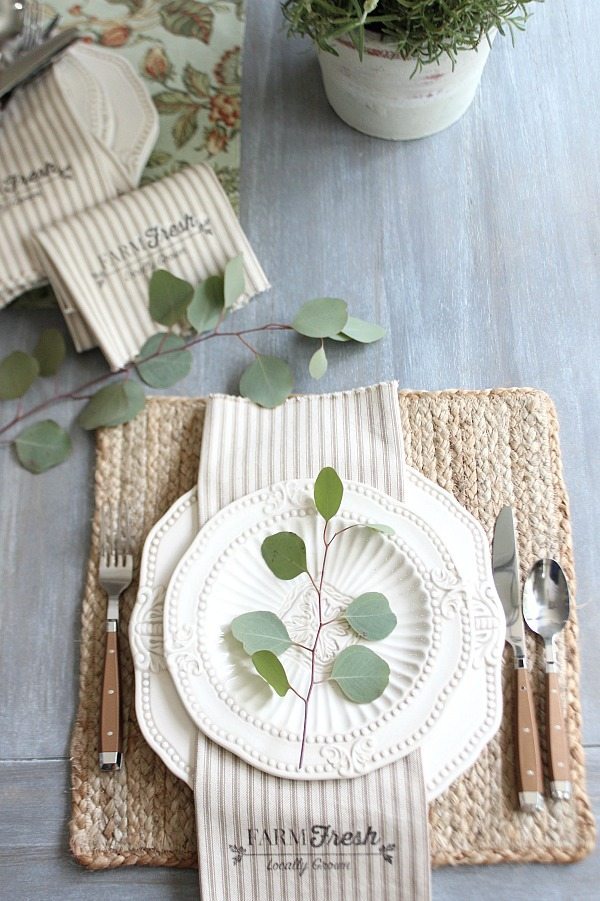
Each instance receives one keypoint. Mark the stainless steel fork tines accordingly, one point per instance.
(115, 575)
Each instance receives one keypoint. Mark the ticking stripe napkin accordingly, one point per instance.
(99, 262)
(51, 166)
(262, 838)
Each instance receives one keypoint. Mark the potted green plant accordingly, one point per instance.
(403, 69)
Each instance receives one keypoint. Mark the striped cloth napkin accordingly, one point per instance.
(262, 838)
(99, 262)
(54, 161)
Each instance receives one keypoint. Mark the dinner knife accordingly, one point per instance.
(505, 563)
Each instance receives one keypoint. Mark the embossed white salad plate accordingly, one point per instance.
(110, 98)
(444, 692)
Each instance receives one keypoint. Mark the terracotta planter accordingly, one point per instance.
(379, 97)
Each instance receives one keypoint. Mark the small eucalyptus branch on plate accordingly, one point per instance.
(187, 316)
(360, 673)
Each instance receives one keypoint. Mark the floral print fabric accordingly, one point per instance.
(189, 54)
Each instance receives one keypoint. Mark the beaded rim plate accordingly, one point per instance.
(467, 716)
(113, 99)
(223, 575)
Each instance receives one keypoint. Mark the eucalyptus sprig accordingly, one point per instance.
(187, 315)
(422, 30)
(360, 673)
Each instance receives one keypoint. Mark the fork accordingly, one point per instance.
(115, 573)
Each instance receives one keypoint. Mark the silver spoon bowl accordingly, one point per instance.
(546, 603)
(546, 611)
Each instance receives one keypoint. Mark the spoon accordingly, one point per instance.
(546, 610)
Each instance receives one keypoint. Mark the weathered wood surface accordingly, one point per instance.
(478, 248)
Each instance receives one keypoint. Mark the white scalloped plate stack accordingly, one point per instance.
(110, 99)
(444, 693)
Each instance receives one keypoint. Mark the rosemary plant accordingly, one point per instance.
(422, 30)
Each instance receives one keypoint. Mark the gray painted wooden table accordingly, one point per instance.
(477, 248)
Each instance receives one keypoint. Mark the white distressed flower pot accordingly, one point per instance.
(379, 97)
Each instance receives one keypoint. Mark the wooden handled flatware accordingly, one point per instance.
(546, 609)
(505, 562)
(116, 572)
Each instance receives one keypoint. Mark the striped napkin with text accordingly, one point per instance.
(264, 838)
(52, 165)
(100, 261)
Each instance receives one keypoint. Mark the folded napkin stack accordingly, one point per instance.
(74, 144)
(99, 262)
(62, 150)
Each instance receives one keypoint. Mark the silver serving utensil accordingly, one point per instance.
(34, 61)
(546, 609)
(12, 19)
(505, 565)
(23, 26)
(115, 575)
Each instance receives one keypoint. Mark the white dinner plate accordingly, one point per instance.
(464, 714)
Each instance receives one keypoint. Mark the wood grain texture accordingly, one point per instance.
(556, 737)
(477, 248)
(110, 709)
(529, 761)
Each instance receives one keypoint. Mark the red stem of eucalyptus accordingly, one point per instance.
(313, 650)
(78, 393)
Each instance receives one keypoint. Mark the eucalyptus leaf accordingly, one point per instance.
(267, 381)
(234, 280)
(18, 371)
(361, 674)
(271, 669)
(380, 527)
(343, 339)
(365, 332)
(169, 297)
(261, 631)
(43, 445)
(50, 351)
(285, 555)
(163, 360)
(328, 492)
(113, 405)
(370, 616)
(318, 363)
(207, 304)
(321, 318)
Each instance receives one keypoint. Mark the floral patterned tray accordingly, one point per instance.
(189, 54)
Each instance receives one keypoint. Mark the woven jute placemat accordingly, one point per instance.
(488, 448)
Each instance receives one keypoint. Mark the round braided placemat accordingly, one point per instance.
(488, 448)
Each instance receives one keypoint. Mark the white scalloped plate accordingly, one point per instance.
(223, 575)
(466, 713)
(112, 100)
